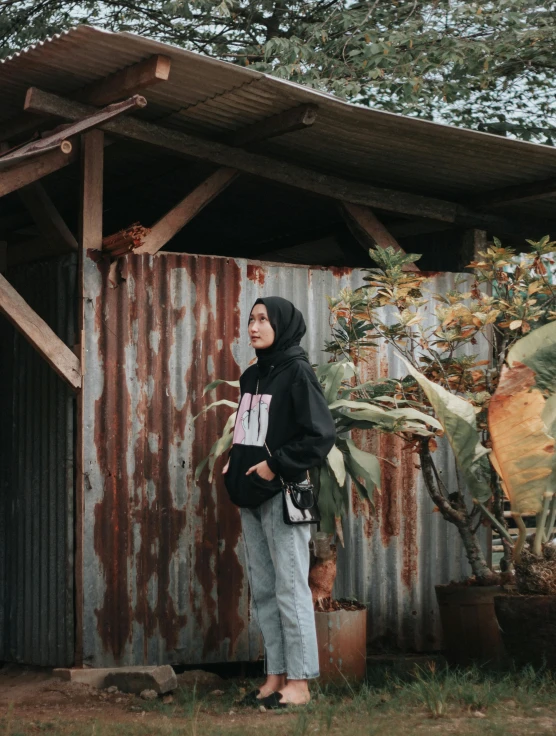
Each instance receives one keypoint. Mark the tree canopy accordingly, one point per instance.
(487, 65)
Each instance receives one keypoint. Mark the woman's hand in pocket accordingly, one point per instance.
(262, 470)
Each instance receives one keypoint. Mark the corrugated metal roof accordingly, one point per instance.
(209, 97)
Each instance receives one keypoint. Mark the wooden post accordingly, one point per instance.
(90, 237)
(472, 242)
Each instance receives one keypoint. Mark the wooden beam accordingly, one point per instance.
(514, 193)
(369, 231)
(123, 83)
(39, 334)
(288, 121)
(92, 174)
(172, 222)
(473, 241)
(44, 213)
(59, 137)
(126, 82)
(252, 163)
(33, 169)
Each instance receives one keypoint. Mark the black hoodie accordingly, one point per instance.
(288, 412)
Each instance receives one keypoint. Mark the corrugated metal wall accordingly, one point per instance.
(37, 478)
(163, 563)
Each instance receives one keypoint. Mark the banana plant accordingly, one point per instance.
(352, 407)
(522, 426)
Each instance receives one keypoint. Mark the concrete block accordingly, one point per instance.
(142, 678)
(134, 680)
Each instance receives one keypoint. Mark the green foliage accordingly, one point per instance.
(488, 65)
(345, 460)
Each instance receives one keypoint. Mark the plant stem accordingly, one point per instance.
(541, 521)
(551, 519)
(520, 543)
(493, 520)
(457, 516)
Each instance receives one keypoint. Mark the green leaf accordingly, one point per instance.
(329, 504)
(335, 460)
(222, 402)
(365, 465)
(216, 383)
(333, 375)
(457, 417)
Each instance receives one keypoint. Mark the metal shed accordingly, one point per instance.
(110, 552)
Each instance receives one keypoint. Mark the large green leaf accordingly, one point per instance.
(522, 421)
(457, 417)
(332, 375)
(330, 500)
(222, 402)
(335, 460)
(364, 465)
(404, 418)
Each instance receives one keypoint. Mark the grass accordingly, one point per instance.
(428, 702)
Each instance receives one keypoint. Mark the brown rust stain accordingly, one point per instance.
(256, 274)
(160, 522)
(112, 533)
(339, 271)
(217, 567)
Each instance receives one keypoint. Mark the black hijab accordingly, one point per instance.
(289, 327)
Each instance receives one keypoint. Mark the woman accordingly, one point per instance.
(283, 428)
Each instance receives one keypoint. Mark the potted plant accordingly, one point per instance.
(456, 388)
(341, 625)
(522, 421)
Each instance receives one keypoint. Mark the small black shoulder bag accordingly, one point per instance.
(299, 502)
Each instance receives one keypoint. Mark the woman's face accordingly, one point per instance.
(260, 329)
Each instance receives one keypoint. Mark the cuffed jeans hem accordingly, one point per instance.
(303, 677)
(282, 672)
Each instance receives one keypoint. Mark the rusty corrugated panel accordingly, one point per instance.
(211, 97)
(37, 478)
(163, 563)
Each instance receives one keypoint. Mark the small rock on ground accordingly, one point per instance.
(160, 679)
(167, 699)
(112, 689)
(478, 714)
(217, 692)
(149, 695)
(200, 678)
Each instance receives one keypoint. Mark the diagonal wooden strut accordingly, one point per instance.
(40, 335)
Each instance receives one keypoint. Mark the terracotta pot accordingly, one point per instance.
(342, 642)
(469, 625)
(528, 627)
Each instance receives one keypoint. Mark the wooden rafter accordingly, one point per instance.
(515, 193)
(123, 83)
(253, 163)
(40, 335)
(126, 82)
(369, 231)
(46, 216)
(297, 118)
(92, 171)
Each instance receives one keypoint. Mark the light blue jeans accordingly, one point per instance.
(278, 568)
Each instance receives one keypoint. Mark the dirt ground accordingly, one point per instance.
(33, 701)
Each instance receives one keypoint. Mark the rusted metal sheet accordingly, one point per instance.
(211, 98)
(37, 477)
(164, 573)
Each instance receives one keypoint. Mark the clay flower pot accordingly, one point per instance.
(342, 642)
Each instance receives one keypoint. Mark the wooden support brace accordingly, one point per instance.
(253, 163)
(92, 180)
(44, 213)
(369, 231)
(33, 169)
(57, 138)
(40, 335)
(184, 211)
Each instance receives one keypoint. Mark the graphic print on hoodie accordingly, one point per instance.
(252, 422)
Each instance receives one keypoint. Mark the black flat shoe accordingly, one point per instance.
(275, 702)
(251, 699)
